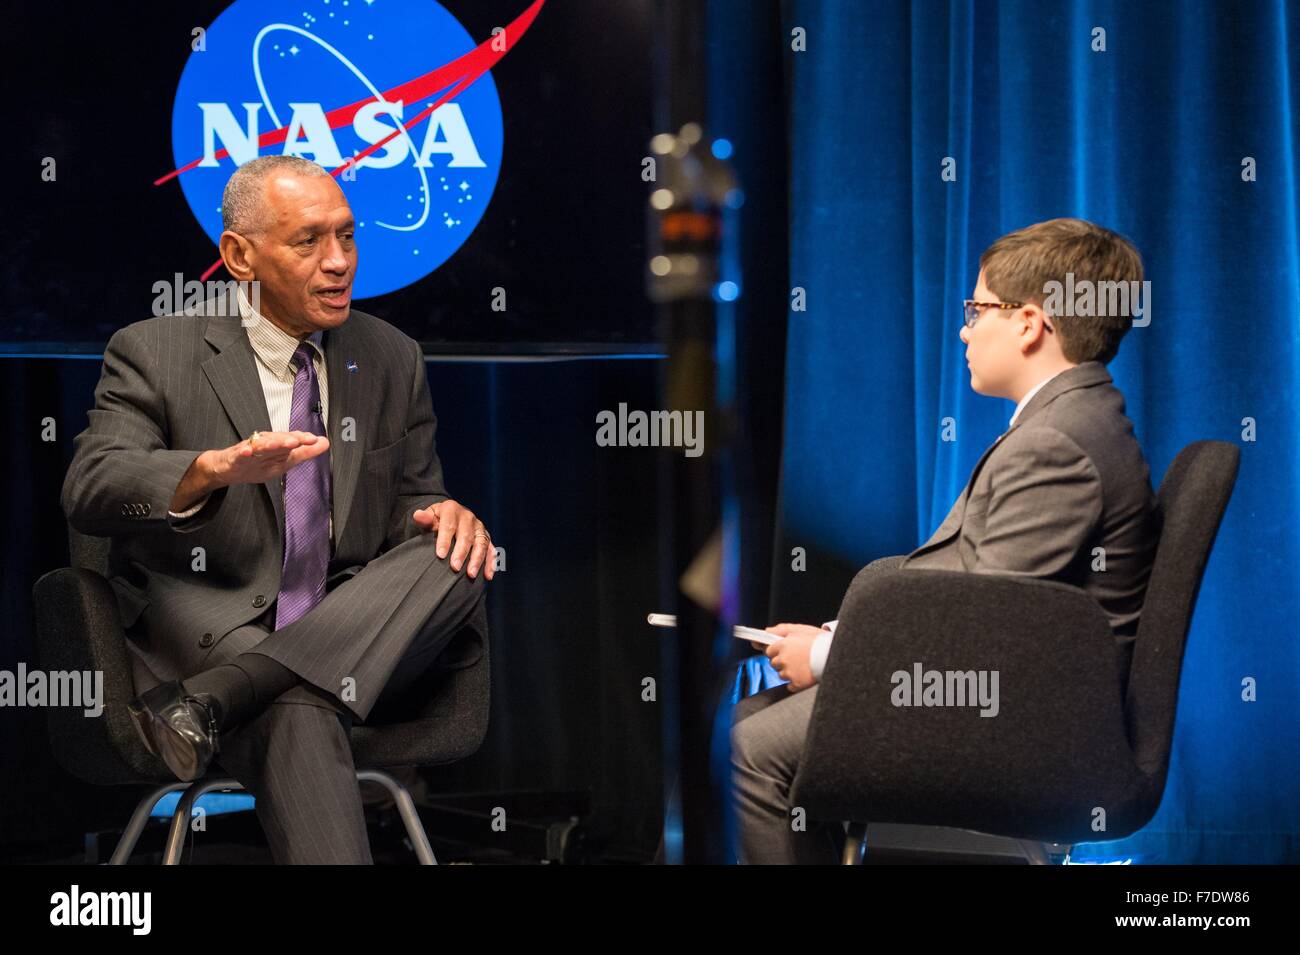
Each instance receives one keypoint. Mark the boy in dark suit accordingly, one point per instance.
(1063, 494)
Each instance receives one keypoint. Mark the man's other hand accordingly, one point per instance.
(456, 523)
(790, 655)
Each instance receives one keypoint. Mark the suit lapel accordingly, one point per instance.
(340, 346)
(1081, 376)
(952, 523)
(233, 375)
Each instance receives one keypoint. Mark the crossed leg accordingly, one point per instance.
(294, 756)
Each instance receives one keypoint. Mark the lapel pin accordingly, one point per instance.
(352, 366)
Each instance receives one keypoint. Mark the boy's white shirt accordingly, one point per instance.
(821, 646)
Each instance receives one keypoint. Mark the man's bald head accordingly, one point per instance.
(243, 204)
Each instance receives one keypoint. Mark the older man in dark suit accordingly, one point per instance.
(285, 556)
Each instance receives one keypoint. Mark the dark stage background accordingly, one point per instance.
(97, 96)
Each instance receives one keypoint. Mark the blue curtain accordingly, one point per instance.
(1153, 137)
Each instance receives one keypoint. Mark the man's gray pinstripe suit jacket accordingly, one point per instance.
(174, 386)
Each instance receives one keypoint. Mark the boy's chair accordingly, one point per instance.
(1070, 755)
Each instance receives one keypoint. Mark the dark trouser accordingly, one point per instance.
(295, 757)
(767, 741)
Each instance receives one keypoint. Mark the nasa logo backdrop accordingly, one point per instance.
(273, 64)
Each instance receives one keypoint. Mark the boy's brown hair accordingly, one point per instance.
(1018, 266)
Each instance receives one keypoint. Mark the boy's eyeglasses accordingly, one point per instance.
(971, 311)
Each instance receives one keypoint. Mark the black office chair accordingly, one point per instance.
(1070, 757)
(78, 628)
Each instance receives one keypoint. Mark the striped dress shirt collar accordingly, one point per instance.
(273, 346)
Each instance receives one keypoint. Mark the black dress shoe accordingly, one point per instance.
(178, 727)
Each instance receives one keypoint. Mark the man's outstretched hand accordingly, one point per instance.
(251, 461)
(455, 522)
(269, 455)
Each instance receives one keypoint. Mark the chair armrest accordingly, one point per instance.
(449, 728)
(881, 565)
(454, 707)
(1054, 745)
(79, 628)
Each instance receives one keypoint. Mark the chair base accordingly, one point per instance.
(1035, 853)
(192, 791)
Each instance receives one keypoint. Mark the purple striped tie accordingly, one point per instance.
(306, 505)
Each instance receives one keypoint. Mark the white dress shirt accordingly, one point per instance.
(274, 349)
(1020, 405)
(821, 646)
